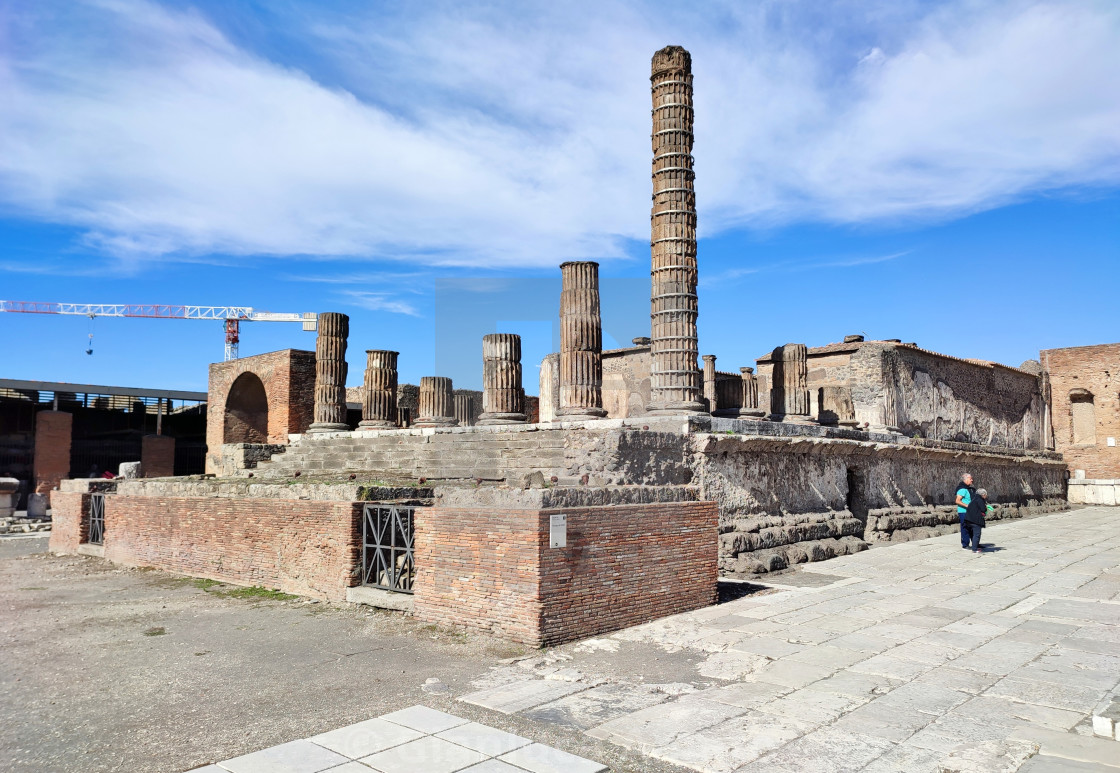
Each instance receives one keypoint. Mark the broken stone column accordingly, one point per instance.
(750, 409)
(379, 403)
(789, 394)
(710, 383)
(464, 410)
(581, 343)
(437, 403)
(330, 373)
(502, 396)
(674, 378)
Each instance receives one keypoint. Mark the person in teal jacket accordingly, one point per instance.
(964, 495)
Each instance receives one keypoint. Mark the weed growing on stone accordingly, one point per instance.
(255, 592)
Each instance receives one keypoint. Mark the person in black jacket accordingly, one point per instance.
(974, 518)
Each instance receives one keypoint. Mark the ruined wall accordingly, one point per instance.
(288, 377)
(626, 382)
(157, 456)
(920, 393)
(785, 501)
(1085, 407)
(297, 546)
(53, 430)
(493, 569)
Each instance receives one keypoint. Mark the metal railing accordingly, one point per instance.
(387, 558)
(96, 519)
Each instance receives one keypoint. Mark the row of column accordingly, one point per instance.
(503, 398)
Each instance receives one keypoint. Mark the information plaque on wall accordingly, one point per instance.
(558, 531)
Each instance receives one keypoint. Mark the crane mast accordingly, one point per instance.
(232, 315)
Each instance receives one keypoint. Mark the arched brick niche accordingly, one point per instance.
(246, 415)
(259, 399)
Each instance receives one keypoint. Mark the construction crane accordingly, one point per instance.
(232, 315)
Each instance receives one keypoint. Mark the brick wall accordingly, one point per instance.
(68, 527)
(1091, 376)
(52, 449)
(623, 565)
(288, 377)
(299, 546)
(157, 456)
(479, 568)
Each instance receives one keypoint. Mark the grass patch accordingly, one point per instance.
(255, 592)
(202, 583)
(157, 631)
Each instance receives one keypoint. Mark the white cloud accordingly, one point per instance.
(492, 138)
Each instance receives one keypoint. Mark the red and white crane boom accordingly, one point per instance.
(232, 315)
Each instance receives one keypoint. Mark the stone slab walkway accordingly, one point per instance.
(917, 657)
(413, 740)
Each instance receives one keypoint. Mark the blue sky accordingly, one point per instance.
(945, 173)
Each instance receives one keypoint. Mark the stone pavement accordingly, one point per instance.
(915, 657)
(413, 740)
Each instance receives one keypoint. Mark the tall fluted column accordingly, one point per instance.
(710, 383)
(502, 397)
(330, 373)
(581, 343)
(674, 378)
(379, 404)
(789, 394)
(464, 410)
(750, 408)
(437, 403)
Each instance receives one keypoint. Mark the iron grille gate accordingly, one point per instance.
(387, 560)
(96, 519)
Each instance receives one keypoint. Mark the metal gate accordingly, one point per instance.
(387, 560)
(96, 519)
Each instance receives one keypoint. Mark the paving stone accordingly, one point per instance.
(661, 725)
(963, 680)
(827, 656)
(592, 707)
(364, 738)
(747, 694)
(1081, 611)
(856, 685)
(955, 730)
(770, 646)
(890, 666)
(1044, 763)
(861, 641)
(518, 696)
(731, 665)
(1047, 693)
(493, 766)
(1001, 656)
(482, 738)
(985, 707)
(292, 757)
(791, 673)
(424, 719)
(538, 758)
(895, 632)
(429, 754)
(906, 759)
(823, 751)
(990, 757)
(815, 707)
(208, 769)
(731, 744)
